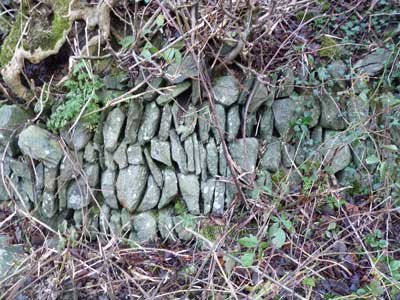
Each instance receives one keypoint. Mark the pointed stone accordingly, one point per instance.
(178, 152)
(154, 169)
(161, 151)
(135, 155)
(172, 92)
(150, 124)
(120, 156)
(145, 225)
(207, 195)
(245, 152)
(233, 122)
(190, 190)
(113, 128)
(197, 160)
(166, 224)
(204, 123)
(170, 188)
(151, 196)
(221, 117)
(165, 123)
(212, 158)
(226, 90)
(219, 198)
(134, 118)
(189, 150)
(108, 179)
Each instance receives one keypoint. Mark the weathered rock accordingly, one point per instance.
(362, 149)
(39, 144)
(108, 179)
(49, 204)
(80, 136)
(220, 115)
(233, 122)
(170, 188)
(336, 151)
(161, 151)
(284, 114)
(262, 95)
(204, 123)
(152, 91)
(109, 160)
(12, 119)
(135, 155)
(287, 85)
(331, 115)
(189, 124)
(165, 123)
(373, 63)
(288, 155)
(244, 152)
(189, 150)
(172, 92)
(133, 120)
(358, 109)
(166, 224)
(230, 189)
(179, 72)
(178, 153)
(271, 158)
(92, 172)
(151, 196)
(126, 221)
(131, 184)
(113, 128)
(90, 153)
(207, 195)
(246, 89)
(181, 225)
(115, 223)
(212, 158)
(267, 124)
(222, 161)
(251, 121)
(219, 198)
(154, 169)
(50, 179)
(203, 162)
(196, 91)
(197, 159)
(145, 225)
(150, 124)
(226, 90)
(105, 214)
(77, 195)
(120, 156)
(176, 115)
(190, 190)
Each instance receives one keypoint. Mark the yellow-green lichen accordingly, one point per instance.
(329, 47)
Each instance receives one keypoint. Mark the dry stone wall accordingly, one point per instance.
(130, 176)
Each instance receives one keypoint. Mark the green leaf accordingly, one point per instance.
(392, 148)
(372, 159)
(247, 259)
(160, 20)
(277, 235)
(146, 54)
(126, 42)
(309, 281)
(249, 242)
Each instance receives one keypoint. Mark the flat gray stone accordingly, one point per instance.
(267, 124)
(109, 160)
(112, 128)
(108, 179)
(77, 195)
(178, 152)
(204, 123)
(80, 136)
(131, 184)
(120, 155)
(150, 124)
(10, 256)
(196, 150)
(262, 96)
(49, 204)
(151, 196)
(50, 179)
(166, 224)
(226, 90)
(245, 152)
(135, 155)
(161, 151)
(271, 158)
(221, 117)
(179, 72)
(145, 225)
(92, 172)
(12, 118)
(223, 166)
(207, 195)
(336, 151)
(41, 145)
(90, 154)
(154, 169)
(331, 115)
(284, 114)
(233, 122)
(189, 123)
(219, 198)
(172, 92)
(286, 86)
(189, 150)
(203, 162)
(212, 158)
(373, 63)
(170, 188)
(133, 120)
(165, 123)
(190, 190)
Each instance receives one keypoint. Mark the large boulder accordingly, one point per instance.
(41, 145)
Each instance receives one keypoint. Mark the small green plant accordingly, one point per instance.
(251, 244)
(375, 240)
(82, 100)
(335, 203)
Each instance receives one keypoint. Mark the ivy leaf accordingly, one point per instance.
(277, 235)
(160, 20)
(146, 54)
(309, 281)
(247, 259)
(126, 42)
(249, 242)
(372, 159)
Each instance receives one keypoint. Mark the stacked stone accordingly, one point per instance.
(164, 147)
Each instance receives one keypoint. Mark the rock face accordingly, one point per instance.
(245, 152)
(113, 128)
(226, 90)
(39, 144)
(10, 256)
(12, 120)
(131, 184)
(190, 189)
